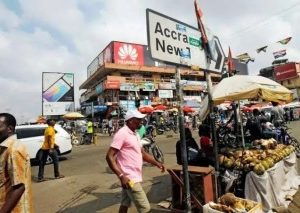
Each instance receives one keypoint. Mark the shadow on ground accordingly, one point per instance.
(159, 191)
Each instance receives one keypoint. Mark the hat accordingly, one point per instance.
(133, 114)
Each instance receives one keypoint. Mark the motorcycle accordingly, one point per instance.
(150, 145)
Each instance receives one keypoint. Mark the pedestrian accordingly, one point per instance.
(90, 131)
(192, 149)
(15, 171)
(49, 148)
(125, 157)
(277, 114)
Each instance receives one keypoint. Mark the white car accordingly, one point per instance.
(32, 136)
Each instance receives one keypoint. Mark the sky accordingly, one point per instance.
(39, 36)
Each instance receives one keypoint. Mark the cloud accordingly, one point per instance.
(65, 36)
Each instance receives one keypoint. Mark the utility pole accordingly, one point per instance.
(186, 181)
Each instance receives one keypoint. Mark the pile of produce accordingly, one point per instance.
(229, 203)
(257, 160)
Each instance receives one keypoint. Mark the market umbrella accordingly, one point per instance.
(240, 87)
(146, 109)
(187, 109)
(73, 115)
(160, 107)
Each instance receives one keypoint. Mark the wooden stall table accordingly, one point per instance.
(201, 187)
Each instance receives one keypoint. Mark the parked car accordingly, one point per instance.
(32, 136)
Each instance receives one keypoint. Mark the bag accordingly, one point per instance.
(192, 154)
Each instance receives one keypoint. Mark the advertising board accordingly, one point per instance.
(286, 71)
(175, 42)
(129, 87)
(112, 84)
(93, 66)
(57, 93)
(131, 54)
(165, 93)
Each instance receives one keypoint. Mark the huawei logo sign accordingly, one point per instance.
(126, 51)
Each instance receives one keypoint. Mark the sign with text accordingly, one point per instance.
(129, 87)
(286, 71)
(175, 42)
(165, 93)
(58, 93)
(132, 54)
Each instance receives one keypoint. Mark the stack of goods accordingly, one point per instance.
(229, 203)
(256, 160)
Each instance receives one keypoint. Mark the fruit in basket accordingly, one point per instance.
(221, 208)
(270, 162)
(259, 169)
(265, 164)
(239, 206)
(228, 163)
(221, 159)
(228, 199)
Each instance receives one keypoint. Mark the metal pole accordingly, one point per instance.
(242, 128)
(93, 123)
(183, 144)
(213, 128)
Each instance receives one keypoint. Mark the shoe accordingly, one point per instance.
(60, 176)
(41, 179)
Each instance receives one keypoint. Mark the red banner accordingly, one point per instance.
(112, 84)
(132, 54)
(285, 71)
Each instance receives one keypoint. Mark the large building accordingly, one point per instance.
(287, 74)
(124, 72)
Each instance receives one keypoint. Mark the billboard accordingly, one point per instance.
(131, 54)
(57, 93)
(175, 42)
(165, 93)
(285, 71)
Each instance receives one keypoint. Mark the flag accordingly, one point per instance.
(285, 41)
(230, 63)
(279, 54)
(264, 49)
(245, 57)
(204, 38)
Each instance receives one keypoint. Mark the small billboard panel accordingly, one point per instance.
(57, 93)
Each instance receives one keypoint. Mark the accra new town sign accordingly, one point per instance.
(175, 42)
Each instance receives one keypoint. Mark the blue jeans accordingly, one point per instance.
(42, 161)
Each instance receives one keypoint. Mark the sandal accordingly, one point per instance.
(60, 176)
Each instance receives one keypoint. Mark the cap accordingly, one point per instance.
(133, 114)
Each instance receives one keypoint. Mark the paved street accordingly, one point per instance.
(90, 187)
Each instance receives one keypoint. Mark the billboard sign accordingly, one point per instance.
(148, 86)
(57, 93)
(165, 93)
(129, 87)
(286, 71)
(132, 54)
(175, 42)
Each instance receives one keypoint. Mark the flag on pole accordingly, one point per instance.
(230, 63)
(204, 38)
(285, 41)
(245, 57)
(279, 54)
(264, 49)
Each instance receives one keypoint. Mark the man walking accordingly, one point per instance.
(90, 131)
(15, 173)
(125, 157)
(49, 148)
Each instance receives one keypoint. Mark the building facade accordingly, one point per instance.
(287, 74)
(125, 72)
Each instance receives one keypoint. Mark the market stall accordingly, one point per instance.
(259, 170)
